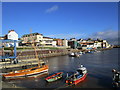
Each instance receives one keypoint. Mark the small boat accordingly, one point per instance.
(71, 54)
(27, 72)
(81, 53)
(54, 77)
(74, 54)
(77, 77)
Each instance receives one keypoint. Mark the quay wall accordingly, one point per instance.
(30, 54)
(44, 53)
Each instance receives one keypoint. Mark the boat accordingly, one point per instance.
(27, 72)
(54, 77)
(81, 53)
(71, 54)
(77, 77)
(74, 54)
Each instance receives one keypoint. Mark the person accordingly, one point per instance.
(116, 78)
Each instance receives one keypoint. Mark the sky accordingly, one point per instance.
(62, 19)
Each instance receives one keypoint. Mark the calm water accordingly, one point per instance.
(99, 66)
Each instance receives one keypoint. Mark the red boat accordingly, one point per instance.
(78, 76)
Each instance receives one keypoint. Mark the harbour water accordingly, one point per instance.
(98, 64)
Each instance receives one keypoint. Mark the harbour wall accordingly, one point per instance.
(30, 54)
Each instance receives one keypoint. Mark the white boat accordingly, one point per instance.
(74, 54)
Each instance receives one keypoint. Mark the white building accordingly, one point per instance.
(12, 35)
(48, 42)
(32, 38)
(38, 39)
(65, 42)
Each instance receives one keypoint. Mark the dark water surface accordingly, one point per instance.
(99, 66)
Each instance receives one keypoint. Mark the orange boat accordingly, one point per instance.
(27, 72)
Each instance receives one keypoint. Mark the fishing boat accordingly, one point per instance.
(54, 77)
(77, 77)
(27, 72)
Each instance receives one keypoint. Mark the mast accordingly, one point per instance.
(33, 42)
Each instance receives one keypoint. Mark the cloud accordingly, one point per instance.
(52, 9)
(110, 35)
(67, 36)
(105, 34)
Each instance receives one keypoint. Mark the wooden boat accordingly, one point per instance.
(77, 77)
(54, 77)
(27, 72)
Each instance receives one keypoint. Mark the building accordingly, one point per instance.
(65, 42)
(106, 44)
(59, 42)
(73, 39)
(12, 35)
(74, 44)
(37, 39)
(47, 41)
(94, 44)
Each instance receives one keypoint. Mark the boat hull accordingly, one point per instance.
(26, 72)
(80, 79)
(54, 77)
(52, 80)
(76, 81)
